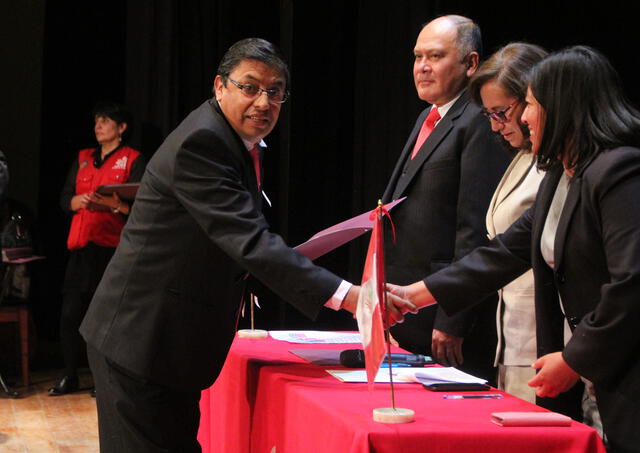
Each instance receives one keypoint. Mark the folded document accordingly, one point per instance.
(445, 375)
(530, 419)
(426, 376)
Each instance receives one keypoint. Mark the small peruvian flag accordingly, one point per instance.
(371, 302)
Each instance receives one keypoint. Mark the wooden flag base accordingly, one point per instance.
(255, 334)
(391, 415)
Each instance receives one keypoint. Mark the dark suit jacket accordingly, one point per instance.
(448, 186)
(597, 275)
(167, 305)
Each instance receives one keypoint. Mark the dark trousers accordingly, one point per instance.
(83, 274)
(74, 307)
(138, 416)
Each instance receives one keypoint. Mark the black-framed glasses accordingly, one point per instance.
(501, 115)
(275, 95)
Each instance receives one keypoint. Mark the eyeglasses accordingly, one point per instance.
(500, 116)
(275, 95)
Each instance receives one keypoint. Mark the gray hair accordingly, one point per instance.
(469, 37)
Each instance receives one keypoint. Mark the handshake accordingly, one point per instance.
(400, 300)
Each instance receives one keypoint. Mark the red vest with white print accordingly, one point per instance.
(103, 228)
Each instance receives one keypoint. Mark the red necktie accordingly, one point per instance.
(255, 155)
(425, 130)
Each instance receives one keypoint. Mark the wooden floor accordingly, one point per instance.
(38, 423)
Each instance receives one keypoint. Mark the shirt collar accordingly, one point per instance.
(97, 155)
(443, 109)
(250, 145)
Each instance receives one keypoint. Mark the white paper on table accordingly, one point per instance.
(441, 375)
(315, 336)
(400, 375)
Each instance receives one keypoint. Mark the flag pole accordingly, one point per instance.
(385, 311)
(251, 302)
(255, 334)
(391, 414)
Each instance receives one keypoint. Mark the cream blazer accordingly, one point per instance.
(515, 317)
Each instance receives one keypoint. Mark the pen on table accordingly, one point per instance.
(482, 395)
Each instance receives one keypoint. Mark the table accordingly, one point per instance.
(267, 397)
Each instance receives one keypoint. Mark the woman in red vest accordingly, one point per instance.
(96, 223)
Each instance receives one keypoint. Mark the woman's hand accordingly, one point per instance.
(112, 202)
(447, 349)
(554, 377)
(416, 293)
(80, 201)
(397, 307)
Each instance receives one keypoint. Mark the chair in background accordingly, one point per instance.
(19, 314)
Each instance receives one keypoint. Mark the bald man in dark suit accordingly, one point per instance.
(448, 179)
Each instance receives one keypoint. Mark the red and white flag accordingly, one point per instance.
(370, 310)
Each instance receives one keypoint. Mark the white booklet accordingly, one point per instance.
(315, 336)
(445, 375)
(399, 375)
(426, 376)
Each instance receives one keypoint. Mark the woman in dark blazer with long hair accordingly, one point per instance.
(581, 237)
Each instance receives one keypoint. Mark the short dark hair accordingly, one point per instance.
(509, 68)
(252, 49)
(585, 109)
(117, 112)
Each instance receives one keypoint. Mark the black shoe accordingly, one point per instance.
(93, 392)
(67, 384)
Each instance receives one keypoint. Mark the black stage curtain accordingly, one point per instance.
(353, 100)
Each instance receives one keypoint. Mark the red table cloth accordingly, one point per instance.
(267, 397)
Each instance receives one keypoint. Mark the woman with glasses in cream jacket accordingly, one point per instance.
(500, 86)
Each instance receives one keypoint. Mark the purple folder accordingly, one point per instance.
(339, 234)
(125, 191)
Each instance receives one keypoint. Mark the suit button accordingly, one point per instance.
(560, 278)
(573, 321)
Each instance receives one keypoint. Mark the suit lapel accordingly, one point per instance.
(512, 179)
(573, 196)
(547, 191)
(430, 145)
(404, 155)
(237, 147)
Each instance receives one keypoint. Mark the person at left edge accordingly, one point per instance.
(4, 177)
(162, 320)
(96, 223)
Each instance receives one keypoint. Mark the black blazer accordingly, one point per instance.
(596, 275)
(448, 186)
(166, 307)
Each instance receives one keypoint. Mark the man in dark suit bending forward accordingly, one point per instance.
(163, 317)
